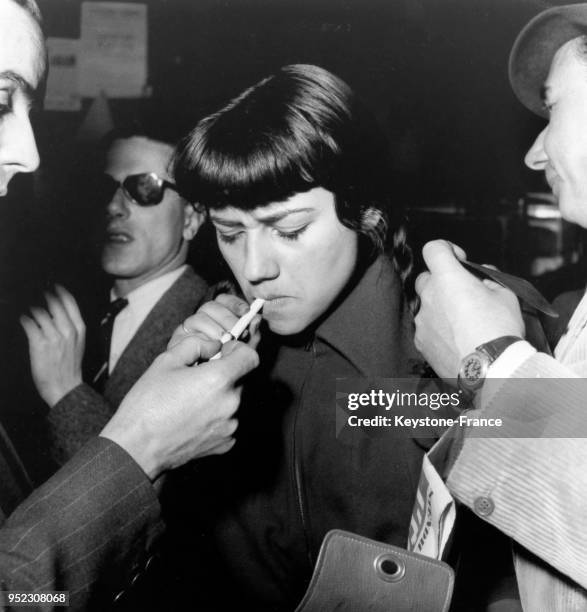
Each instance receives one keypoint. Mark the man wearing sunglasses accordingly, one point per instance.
(148, 229)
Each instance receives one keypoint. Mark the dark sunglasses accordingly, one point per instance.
(146, 189)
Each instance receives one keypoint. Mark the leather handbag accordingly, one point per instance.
(354, 573)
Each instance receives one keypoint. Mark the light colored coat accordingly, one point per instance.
(533, 480)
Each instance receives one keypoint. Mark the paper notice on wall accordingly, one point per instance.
(113, 49)
(433, 516)
(62, 84)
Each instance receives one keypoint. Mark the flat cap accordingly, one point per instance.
(535, 47)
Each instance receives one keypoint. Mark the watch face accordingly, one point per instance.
(473, 371)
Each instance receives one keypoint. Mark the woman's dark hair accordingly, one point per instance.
(300, 128)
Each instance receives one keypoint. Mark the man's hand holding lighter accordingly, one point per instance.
(181, 409)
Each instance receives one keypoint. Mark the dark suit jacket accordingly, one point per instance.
(89, 530)
(82, 413)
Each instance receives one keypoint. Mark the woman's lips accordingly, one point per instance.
(273, 304)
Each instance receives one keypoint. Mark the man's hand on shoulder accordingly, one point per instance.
(458, 311)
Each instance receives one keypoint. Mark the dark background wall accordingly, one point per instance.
(434, 71)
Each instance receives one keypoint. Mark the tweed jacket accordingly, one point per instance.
(90, 530)
(83, 412)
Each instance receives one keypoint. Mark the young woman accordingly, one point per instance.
(294, 175)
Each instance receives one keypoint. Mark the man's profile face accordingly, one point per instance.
(142, 242)
(295, 254)
(22, 67)
(561, 148)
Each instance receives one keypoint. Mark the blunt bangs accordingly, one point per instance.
(300, 128)
(285, 135)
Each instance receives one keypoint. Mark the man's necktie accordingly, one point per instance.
(106, 326)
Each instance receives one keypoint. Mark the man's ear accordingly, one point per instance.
(193, 219)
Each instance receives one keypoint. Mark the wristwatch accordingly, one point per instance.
(475, 365)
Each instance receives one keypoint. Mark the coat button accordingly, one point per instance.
(483, 506)
(135, 579)
(150, 562)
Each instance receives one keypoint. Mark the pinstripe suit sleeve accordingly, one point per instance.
(535, 474)
(77, 417)
(89, 530)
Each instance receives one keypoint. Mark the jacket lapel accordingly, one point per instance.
(177, 303)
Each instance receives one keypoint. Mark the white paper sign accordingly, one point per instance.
(113, 51)
(433, 516)
(62, 85)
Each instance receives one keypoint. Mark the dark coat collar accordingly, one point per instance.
(372, 327)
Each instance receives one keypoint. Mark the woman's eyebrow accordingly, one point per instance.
(226, 222)
(279, 216)
(268, 219)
